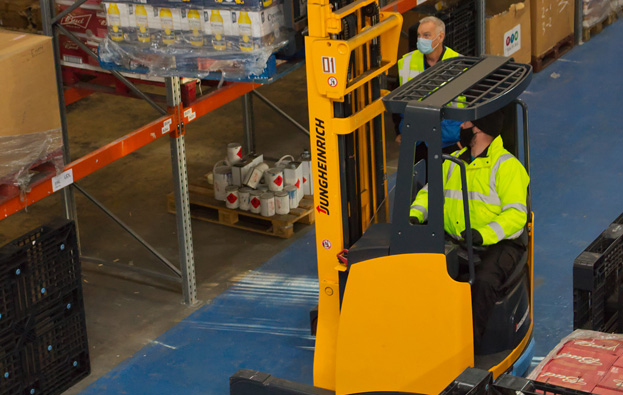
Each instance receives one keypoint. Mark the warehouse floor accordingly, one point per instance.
(259, 319)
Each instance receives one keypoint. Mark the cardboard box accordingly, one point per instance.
(88, 19)
(609, 346)
(508, 29)
(605, 391)
(552, 21)
(20, 14)
(71, 52)
(613, 380)
(583, 359)
(29, 100)
(568, 378)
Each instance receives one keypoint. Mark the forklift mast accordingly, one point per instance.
(350, 46)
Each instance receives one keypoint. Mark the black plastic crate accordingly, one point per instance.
(43, 339)
(11, 371)
(37, 268)
(58, 356)
(598, 282)
(460, 20)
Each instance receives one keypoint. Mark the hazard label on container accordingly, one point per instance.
(278, 181)
(232, 198)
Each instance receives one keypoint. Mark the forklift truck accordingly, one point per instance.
(404, 321)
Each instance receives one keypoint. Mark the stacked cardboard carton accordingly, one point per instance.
(29, 108)
(585, 360)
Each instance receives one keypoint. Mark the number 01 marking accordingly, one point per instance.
(328, 64)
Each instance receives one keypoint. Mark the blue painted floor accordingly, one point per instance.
(577, 190)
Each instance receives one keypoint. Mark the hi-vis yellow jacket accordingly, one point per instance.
(497, 185)
(412, 64)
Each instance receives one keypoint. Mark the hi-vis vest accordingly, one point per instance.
(497, 186)
(412, 64)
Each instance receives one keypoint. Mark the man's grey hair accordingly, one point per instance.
(441, 27)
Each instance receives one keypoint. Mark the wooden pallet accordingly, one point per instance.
(587, 33)
(204, 207)
(561, 48)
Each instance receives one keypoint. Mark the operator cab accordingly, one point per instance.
(510, 321)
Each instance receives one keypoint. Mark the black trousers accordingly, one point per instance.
(497, 263)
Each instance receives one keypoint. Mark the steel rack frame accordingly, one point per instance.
(171, 122)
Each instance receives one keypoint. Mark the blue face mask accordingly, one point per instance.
(425, 45)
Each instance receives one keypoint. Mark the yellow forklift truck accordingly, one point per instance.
(404, 323)
(391, 315)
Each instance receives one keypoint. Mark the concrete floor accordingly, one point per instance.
(126, 311)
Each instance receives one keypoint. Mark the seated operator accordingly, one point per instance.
(430, 35)
(497, 185)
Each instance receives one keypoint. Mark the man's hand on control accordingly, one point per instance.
(476, 237)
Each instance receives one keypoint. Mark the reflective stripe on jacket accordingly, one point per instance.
(497, 185)
(412, 64)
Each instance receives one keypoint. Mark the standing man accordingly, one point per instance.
(497, 185)
(430, 36)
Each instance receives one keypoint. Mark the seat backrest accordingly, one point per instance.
(405, 325)
(510, 133)
(512, 137)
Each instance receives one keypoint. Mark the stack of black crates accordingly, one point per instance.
(460, 21)
(598, 282)
(43, 339)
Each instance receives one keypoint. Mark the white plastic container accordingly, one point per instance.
(255, 176)
(308, 186)
(254, 202)
(292, 196)
(221, 176)
(232, 199)
(244, 194)
(274, 179)
(282, 203)
(267, 204)
(234, 153)
(293, 175)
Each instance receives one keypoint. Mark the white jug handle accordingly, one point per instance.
(284, 157)
(217, 163)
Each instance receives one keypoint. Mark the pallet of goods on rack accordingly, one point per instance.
(234, 41)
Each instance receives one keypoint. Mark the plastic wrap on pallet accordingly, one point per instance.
(191, 40)
(20, 155)
(585, 360)
(595, 11)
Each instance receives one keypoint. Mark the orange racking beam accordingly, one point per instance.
(129, 143)
(220, 97)
(402, 6)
